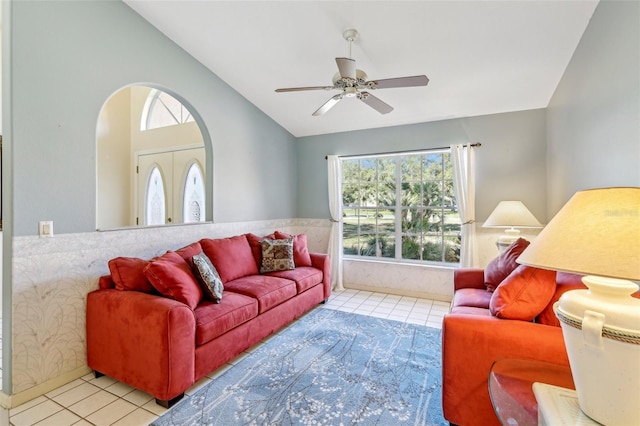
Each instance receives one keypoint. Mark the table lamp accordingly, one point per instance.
(597, 233)
(510, 215)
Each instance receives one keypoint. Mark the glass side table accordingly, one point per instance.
(510, 388)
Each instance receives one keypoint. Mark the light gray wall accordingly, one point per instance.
(67, 58)
(593, 119)
(510, 164)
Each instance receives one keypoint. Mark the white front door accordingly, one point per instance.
(161, 180)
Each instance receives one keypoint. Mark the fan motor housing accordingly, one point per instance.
(339, 82)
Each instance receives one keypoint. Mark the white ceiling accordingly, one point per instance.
(482, 57)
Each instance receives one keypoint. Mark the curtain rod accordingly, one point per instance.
(478, 144)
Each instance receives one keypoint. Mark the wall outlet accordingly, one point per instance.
(46, 228)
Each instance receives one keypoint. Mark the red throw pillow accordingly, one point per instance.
(523, 294)
(172, 277)
(500, 267)
(127, 274)
(232, 257)
(301, 256)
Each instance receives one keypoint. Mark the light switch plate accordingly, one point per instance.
(46, 228)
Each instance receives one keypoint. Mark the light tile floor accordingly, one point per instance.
(104, 401)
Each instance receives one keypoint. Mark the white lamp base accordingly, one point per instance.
(600, 329)
(509, 237)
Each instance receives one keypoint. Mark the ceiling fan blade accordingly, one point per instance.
(388, 83)
(328, 105)
(347, 67)
(375, 103)
(300, 89)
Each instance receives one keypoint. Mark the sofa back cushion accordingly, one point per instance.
(232, 257)
(301, 256)
(564, 282)
(127, 274)
(505, 263)
(523, 294)
(189, 251)
(171, 276)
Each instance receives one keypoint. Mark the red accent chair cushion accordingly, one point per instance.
(500, 267)
(523, 294)
(171, 276)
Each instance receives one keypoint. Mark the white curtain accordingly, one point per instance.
(335, 207)
(464, 182)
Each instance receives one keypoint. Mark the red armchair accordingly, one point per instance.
(473, 338)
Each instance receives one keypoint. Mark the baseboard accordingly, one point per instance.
(399, 292)
(11, 401)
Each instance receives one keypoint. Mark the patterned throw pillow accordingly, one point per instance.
(277, 255)
(208, 277)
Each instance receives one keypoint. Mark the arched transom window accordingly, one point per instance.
(162, 110)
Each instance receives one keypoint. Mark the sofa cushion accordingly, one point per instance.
(301, 256)
(277, 255)
(207, 277)
(268, 291)
(500, 267)
(471, 297)
(232, 257)
(305, 277)
(128, 274)
(523, 294)
(564, 282)
(471, 310)
(172, 277)
(213, 320)
(189, 251)
(256, 248)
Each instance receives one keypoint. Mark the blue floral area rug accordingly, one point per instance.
(327, 368)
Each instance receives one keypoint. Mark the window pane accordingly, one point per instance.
(387, 170)
(368, 195)
(155, 199)
(165, 110)
(411, 247)
(429, 225)
(386, 221)
(387, 194)
(412, 168)
(193, 196)
(432, 249)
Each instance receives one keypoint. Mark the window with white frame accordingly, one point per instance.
(401, 207)
(162, 110)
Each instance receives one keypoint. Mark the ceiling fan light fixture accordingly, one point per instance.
(352, 81)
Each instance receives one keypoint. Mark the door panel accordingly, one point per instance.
(173, 166)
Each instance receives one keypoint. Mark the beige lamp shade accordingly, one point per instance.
(511, 214)
(596, 233)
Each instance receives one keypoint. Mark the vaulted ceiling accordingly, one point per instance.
(482, 56)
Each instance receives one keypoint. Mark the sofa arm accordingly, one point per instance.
(470, 345)
(143, 340)
(322, 261)
(468, 278)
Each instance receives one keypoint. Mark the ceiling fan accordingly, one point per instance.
(353, 82)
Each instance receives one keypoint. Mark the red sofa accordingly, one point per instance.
(162, 342)
(473, 337)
